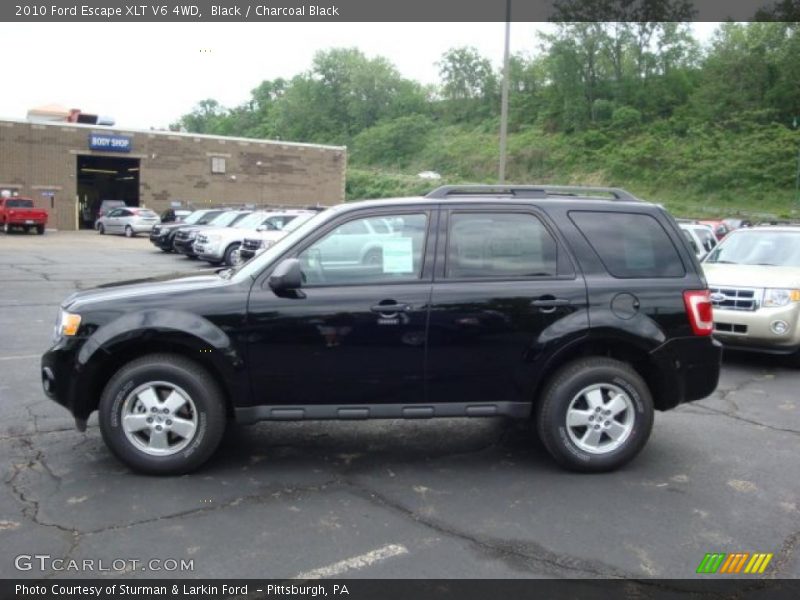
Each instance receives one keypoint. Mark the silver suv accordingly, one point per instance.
(221, 244)
(754, 278)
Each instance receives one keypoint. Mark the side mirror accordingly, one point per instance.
(287, 276)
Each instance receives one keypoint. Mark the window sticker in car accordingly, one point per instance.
(398, 255)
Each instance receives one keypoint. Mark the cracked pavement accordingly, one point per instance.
(464, 498)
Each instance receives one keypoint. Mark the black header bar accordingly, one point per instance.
(148, 11)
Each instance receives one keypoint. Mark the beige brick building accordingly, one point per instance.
(69, 168)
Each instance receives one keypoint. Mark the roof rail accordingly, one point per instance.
(528, 191)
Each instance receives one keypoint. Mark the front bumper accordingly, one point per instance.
(207, 251)
(61, 377)
(184, 246)
(687, 369)
(245, 254)
(752, 330)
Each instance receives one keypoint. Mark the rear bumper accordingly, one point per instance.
(23, 222)
(687, 370)
(143, 227)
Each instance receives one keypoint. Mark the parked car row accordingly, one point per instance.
(217, 235)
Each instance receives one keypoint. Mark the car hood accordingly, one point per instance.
(758, 276)
(225, 231)
(165, 284)
(173, 226)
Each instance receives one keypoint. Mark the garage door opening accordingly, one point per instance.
(105, 178)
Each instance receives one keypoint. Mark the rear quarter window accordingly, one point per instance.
(630, 245)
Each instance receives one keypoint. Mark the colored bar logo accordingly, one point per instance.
(738, 562)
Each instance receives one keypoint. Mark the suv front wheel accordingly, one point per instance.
(162, 414)
(595, 414)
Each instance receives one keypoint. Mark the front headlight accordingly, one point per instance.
(774, 297)
(67, 324)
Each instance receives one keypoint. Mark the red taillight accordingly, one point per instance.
(699, 311)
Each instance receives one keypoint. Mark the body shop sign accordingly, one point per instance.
(110, 143)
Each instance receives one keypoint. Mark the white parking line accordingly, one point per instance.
(356, 562)
(21, 357)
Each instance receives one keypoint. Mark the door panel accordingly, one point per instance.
(332, 348)
(505, 293)
(354, 333)
(487, 339)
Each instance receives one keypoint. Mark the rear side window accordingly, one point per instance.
(499, 245)
(630, 245)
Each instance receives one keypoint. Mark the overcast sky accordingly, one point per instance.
(150, 74)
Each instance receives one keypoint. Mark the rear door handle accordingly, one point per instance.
(550, 302)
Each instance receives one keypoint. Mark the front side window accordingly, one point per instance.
(630, 245)
(499, 245)
(357, 253)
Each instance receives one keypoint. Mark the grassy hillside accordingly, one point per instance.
(699, 170)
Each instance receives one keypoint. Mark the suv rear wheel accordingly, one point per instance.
(162, 414)
(595, 414)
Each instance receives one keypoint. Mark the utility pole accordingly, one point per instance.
(504, 99)
(797, 175)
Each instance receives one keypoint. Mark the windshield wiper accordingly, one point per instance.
(724, 262)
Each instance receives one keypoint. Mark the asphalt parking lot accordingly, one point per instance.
(450, 498)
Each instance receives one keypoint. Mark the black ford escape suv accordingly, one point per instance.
(582, 309)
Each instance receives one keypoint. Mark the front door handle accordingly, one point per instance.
(390, 309)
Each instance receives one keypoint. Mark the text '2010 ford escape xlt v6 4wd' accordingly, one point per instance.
(582, 313)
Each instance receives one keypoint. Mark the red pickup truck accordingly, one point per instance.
(20, 213)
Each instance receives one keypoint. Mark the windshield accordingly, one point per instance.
(252, 267)
(764, 247)
(297, 221)
(19, 203)
(227, 218)
(195, 217)
(251, 221)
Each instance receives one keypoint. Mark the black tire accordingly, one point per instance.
(565, 386)
(228, 259)
(6, 228)
(197, 383)
(129, 231)
(40, 229)
(101, 229)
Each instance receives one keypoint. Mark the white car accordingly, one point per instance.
(265, 236)
(700, 237)
(221, 244)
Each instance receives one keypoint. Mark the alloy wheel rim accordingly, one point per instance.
(600, 418)
(236, 258)
(159, 418)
